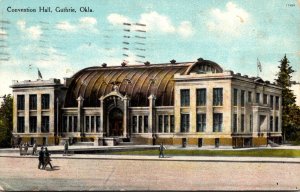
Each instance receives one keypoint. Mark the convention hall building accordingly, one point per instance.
(189, 103)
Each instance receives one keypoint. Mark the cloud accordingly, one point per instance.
(185, 29)
(117, 19)
(33, 32)
(230, 21)
(157, 22)
(84, 23)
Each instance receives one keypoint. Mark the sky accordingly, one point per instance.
(233, 34)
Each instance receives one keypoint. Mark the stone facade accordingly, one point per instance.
(209, 107)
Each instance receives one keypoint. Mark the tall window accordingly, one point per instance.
(172, 124)
(45, 101)
(201, 122)
(75, 124)
(92, 124)
(185, 123)
(277, 102)
(265, 98)
(271, 123)
(201, 97)
(21, 127)
(140, 124)
(97, 123)
(70, 124)
(242, 98)
(242, 122)
(45, 124)
(146, 126)
(251, 123)
(249, 96)
(218, 96)
(65, 123)
(20, 102)
(257, 97)
(32, 102)
(87, 123)
(235, 123)
(166, 123)
(185, 97)
(134, 124)
(217, 122)
(32, 124)
(235, 96)
(160, 123)
(271, 101)
(276, 124)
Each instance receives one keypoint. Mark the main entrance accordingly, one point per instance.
(115, 119)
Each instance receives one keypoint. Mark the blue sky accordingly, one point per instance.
(232, 33)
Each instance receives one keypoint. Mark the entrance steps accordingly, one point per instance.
(84, 143)
(272, 144)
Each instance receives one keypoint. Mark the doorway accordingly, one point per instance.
(115, 122)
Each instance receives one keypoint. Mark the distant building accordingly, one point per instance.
(192, 103)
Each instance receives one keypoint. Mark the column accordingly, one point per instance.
(280, 115)
(193, 110)
(51, 111)
(152, 114)
(15, 113)
(209, 110)
(39, 113)
(101, 114)
(26, 112)
(125, 115)
(80, 115)
(238, 110)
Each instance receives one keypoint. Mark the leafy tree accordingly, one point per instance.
(290, 111)
(6, 121)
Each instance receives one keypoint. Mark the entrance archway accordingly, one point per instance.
(115, 119)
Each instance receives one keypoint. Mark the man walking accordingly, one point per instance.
(66, 146)
(47, 159)
(161, 150)
(41, 157)
(34, 148)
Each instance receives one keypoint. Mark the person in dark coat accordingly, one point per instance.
(161, 150)
(41, 158)
(47, 159)
(66, 148)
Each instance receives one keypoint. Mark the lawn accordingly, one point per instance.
(241, 153)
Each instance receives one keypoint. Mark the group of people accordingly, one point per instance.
(44, 158)
(24, 148)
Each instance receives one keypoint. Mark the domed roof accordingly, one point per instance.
(137, 81)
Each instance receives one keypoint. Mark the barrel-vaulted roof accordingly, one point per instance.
(137, 81)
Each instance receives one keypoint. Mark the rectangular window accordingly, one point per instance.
(140, 124)
(235, 97)
(45, 101)
(235, 123)
(32, 102)
(276, 124)
(217, 122)
(201, 122)
(65, 123)
(45, 124)
(70, 124)
(271, 101)
(249, 96)
(251, 123)
(160, 123)
(185, 97)
(265, 99)
(242, 98)
(134, 124)
(271, 123)
(277, 102)
(32, 124)
(92, 124)
(21, 127)
(257, 97)
(201, 97)
(185, 123)
(218, 96)
(242, 123)
(146, 126)
(87, 123)
(166, 123)
(172, 124)
(20, 102)
(97, 123)
(75, 123)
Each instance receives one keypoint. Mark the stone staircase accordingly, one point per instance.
(272, 144)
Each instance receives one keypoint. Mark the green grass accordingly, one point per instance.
(238, 153)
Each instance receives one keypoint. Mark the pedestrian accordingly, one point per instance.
(47, 159)
(154, 139)
(34, 148)
(161, 150)
(66, 147)
(20, 147)
(41, 158)
(26, 145)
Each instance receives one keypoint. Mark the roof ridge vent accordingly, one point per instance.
(147, 63)
(104, 65)
(173, 61)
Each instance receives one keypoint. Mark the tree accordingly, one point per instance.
(6, 121)
(290, 111)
